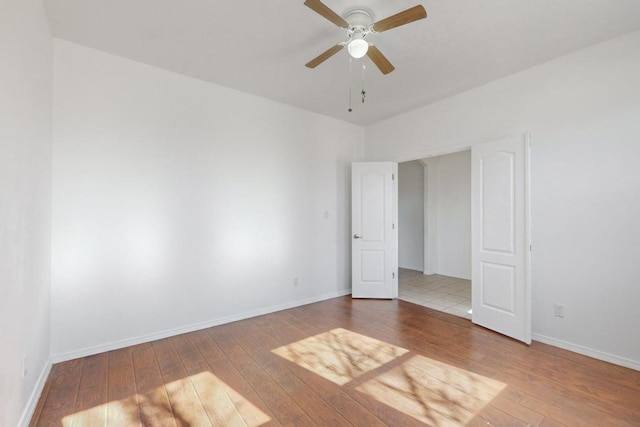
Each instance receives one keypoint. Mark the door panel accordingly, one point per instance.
(374, 255)
(372, 189)
(372, 266)
(500, 288)
(497, 172)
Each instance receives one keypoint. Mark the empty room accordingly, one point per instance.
(203, 218)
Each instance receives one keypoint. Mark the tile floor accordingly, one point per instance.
(442, 293)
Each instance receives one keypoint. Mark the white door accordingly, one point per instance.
(501, 297)
(373, 231)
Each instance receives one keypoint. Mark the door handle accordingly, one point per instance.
(357, 236)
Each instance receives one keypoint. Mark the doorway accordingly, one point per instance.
(500, 235)
(434, 215)
(443, 293)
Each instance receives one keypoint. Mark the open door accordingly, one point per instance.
(501, 296)
(374, 235)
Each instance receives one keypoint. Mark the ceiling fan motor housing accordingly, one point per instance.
(359, 19)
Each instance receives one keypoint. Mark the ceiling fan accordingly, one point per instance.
(357, 24)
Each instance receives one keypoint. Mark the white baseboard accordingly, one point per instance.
(586, 351)
(27, 414)
(88, 351)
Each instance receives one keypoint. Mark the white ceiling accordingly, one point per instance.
(261, 46)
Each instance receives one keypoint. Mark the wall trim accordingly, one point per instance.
(586, 351)
(34, 398)
(115, 345)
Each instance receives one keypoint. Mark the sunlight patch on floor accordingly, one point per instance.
(340, 355)
(430, 391)
(205, 392)
(433, 392)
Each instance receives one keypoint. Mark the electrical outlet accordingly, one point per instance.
(558, 310)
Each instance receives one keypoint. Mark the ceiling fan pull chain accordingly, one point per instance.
(350, 61)
(364, 93)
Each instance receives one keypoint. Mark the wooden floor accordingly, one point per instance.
(341, 362)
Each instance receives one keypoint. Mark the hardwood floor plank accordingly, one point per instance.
(614, 373)
(611, 398)
(522, 413)
(62, 394)
(90, 407)
(550, 393)
(185, 403)
(276, 332)
(442, 415)
(340, 362)
(254, 342)
(211, 392)
(281, 405)
(155, 407)
(491, 416)
(578, 403)
(122, 406)
(388, 415)
(248, 403)
(571, 415)
(550, 422)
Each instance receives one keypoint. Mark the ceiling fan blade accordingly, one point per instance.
(380, 60)
(322, 9)
(324, 56)
(412, 14)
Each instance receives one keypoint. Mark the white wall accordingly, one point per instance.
(449, 210)
(582, 110)
(411, 215)
(25, 205)
(179, 204)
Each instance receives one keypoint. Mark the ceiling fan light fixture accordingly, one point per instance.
(357, 48)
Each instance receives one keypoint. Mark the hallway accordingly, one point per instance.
(443, 293)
